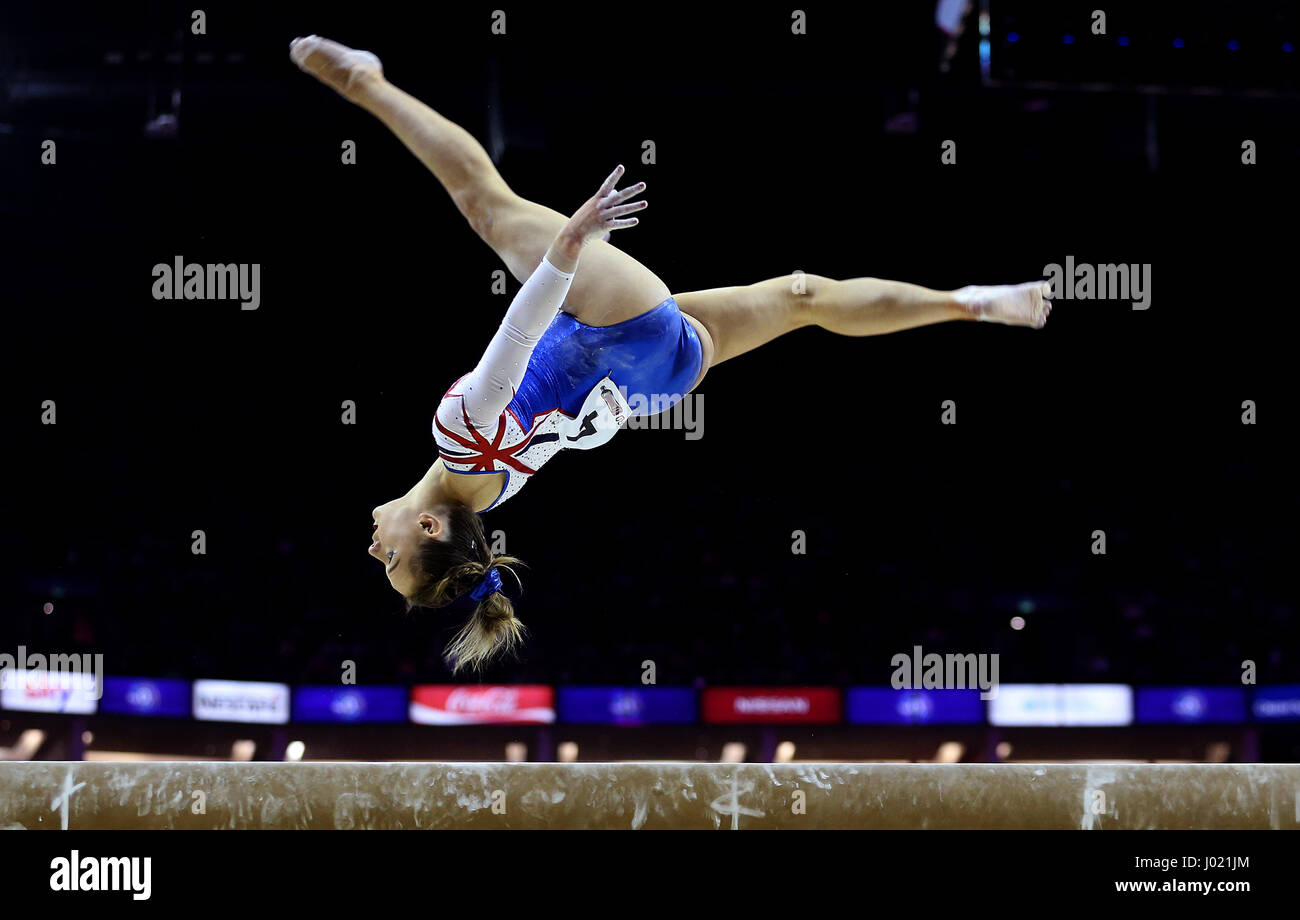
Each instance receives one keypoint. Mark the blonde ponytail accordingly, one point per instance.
(492, 628)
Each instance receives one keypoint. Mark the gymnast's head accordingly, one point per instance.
(435, 554)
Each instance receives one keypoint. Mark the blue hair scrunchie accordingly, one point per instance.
(490, 583)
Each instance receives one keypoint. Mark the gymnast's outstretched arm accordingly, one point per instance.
(488, 389)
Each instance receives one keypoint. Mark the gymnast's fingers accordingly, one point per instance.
(621, 209)
(608, 184)
(620, 224)
(625, 194)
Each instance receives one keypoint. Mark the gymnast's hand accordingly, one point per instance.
(603, 212)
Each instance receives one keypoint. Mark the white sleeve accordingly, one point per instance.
(489, 388)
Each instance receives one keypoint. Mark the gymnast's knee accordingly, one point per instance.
(806, 296)
(488, 211)
(477, 210)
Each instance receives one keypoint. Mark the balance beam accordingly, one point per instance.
(73, 795)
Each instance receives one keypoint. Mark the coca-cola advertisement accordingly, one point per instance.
(474, 704)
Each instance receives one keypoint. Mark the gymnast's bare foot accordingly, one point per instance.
(335, 65)
(1013, 304)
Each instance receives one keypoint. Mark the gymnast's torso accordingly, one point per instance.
(580, 385)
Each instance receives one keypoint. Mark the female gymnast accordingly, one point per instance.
(553, 378)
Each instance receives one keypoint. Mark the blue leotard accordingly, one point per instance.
(652, 361)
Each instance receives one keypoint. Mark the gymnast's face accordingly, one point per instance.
(399, 529)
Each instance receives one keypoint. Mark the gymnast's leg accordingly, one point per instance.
(612, 286)
(744, 317)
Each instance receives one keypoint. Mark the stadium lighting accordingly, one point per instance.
(733, 752)
(516, 752)
(950, 752)
(243, 750)
(29, 742)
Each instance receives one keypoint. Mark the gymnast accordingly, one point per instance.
(555, 378)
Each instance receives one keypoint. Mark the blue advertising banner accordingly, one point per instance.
(146, 696)
(350, 704)
(1279, 703)
(1184, 705)
(628, 705)
(887, 706)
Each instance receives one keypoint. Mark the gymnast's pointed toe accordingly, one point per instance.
(335, 65)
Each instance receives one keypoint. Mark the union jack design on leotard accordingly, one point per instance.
(484, 454)
(467, 449)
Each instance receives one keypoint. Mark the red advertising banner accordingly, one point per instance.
(734, 705)
(474, 704)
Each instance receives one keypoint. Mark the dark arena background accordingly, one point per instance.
(1099, 516)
